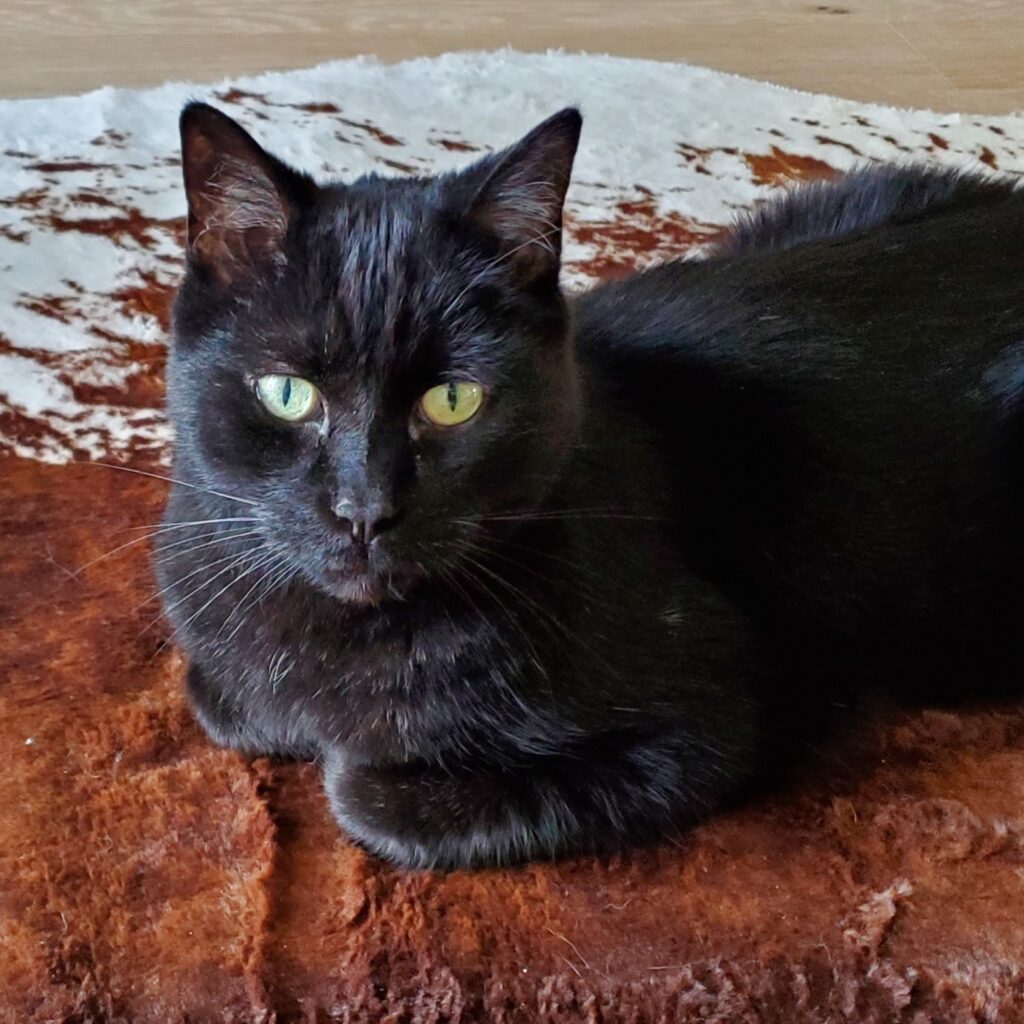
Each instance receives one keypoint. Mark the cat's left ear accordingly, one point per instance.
(520, 202)
(241, 200)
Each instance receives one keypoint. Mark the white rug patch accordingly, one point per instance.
(91, 208)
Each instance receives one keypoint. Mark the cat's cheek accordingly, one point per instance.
(238, 439)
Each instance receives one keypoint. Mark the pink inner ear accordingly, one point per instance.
(245, 197)
(237, 216)
(525, 213)
(521, 202)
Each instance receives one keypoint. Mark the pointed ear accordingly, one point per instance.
(520, 202)
(241, 199)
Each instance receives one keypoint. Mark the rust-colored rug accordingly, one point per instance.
(147, 876)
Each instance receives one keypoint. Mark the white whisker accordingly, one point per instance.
(227, 586)
(172, 480)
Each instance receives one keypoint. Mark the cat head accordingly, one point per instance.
(383, 366)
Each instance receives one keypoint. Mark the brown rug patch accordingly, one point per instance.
(150, 877)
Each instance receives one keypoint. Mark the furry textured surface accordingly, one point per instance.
(146, 876)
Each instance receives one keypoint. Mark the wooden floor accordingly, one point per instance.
(946, 54)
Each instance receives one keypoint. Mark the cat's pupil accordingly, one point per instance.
(286, 391)
(453, 396)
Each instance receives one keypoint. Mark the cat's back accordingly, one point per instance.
(846, 412)
(864, 198)
(837, 296)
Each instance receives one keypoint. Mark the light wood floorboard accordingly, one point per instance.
(947, 55)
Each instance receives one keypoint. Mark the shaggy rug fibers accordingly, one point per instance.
(147, 876)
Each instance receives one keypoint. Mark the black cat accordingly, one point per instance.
(535, 577)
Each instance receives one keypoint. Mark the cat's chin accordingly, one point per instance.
(364, 589)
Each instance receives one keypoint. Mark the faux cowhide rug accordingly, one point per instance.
(146, 876)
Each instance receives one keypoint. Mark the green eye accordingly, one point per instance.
(448, 405)
(288, 398)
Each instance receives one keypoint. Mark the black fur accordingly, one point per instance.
(696, 506)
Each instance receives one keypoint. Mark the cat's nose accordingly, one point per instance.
(363, 521)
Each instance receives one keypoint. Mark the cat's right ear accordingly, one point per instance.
(520, 202)
(241, 200)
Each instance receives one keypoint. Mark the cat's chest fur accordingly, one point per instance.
(437, 671)
(521, 663)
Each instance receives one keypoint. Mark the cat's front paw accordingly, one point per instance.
(619, 791)
(419, 815)
(374, 811)
(229, 726)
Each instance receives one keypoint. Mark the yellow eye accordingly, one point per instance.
(288, 398)
(448, 405)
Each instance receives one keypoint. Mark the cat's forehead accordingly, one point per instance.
(374, 285)
(374, 220)
(380, 271)
(374, 248)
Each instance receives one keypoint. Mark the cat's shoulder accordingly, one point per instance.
(859, 200)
